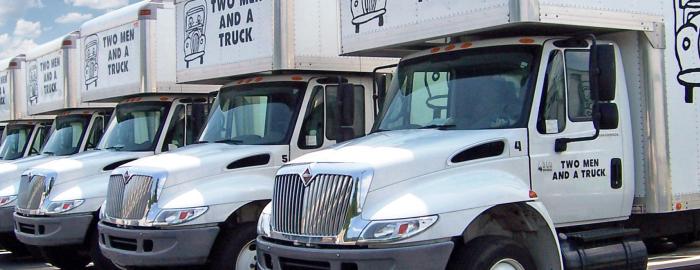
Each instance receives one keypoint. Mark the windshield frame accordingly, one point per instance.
(165, 120)
(84, 118)
(301, 85)
(530, 86)
(30, 138)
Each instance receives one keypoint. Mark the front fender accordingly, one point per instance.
(223, 193)
(451, 190)
(92, 189)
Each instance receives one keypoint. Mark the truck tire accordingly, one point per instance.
(235, 249)
(67, 258)
(491, 252)
(9, 242)
(98, 259)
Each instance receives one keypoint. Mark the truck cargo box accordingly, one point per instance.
(13, 97)
(223, 38)
(131, 51)
(400, 26)
(53, 76)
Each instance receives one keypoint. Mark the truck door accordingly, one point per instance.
(318, 119)
(577, 185)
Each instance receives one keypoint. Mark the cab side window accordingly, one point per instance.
(39, 141)
(196, 120)
(96, 132)
(311, 136)
(175, 135)
(578, 84)
(358, 126)
(552, 118)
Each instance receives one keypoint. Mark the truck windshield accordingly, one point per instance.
(67, 135)
(16, 141)
(258, 114)
(135, 126)
(487, 88)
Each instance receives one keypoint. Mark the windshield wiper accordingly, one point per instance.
(379, 130)
(49, 153)
(200, 142)
(229, 141)
(439, 127)
(115, 147)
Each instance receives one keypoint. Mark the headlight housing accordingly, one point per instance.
(178, 216)
(5, 200)
(62, 206)
(264, 221)
(394, 230)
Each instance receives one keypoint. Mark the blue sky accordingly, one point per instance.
(27, 23)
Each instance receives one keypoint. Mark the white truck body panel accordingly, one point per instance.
(53, 76)
(384, 27)
(129, 52)
(260, 36)
(13, 100)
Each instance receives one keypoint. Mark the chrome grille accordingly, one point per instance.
(128, 199)
(319, 209)
(31, 192)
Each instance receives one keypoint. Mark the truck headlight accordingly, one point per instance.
(178, 216)
(393, 230)
(264, 221)
(5, 200)
(62, 206)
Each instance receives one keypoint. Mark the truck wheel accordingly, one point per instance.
(491, 252)
(235, 250)
(66, 257)
(11, 244)
(101, 262)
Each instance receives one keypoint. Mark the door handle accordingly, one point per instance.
(616, 173)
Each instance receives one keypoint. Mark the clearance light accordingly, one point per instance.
(67, 42)
(533, 194)
(145, 12)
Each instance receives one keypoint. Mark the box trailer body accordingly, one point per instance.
(131, 51)
(634, 179)
(220, 39)
(124, 57)
(284, 83)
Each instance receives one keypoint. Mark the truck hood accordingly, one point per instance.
(10, 172)
(204, 160)
(86, 164)
(395, 156)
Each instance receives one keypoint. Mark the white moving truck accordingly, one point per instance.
(499, 150)
(291, 94)
(52, 88)
(24, 135)
(58, 202)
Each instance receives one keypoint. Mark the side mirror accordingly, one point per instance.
(346, 111)
(609, 116)
(603, 76)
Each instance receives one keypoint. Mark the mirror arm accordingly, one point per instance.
(375, 96)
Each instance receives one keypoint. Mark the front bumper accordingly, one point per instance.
(7, 221)
(427, 256)
(52, 230)
(154, 247)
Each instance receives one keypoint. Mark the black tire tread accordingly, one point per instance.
(225, 251)
(484, 251)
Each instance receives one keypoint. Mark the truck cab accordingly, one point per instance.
(58, 201)
(199, 204)
(24, 139)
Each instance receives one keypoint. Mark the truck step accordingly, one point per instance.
(602, 234)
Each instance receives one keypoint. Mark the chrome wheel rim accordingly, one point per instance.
(246, 259)
(507, 264)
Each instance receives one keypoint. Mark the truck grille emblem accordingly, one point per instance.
(306, 177)
(127, 177)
